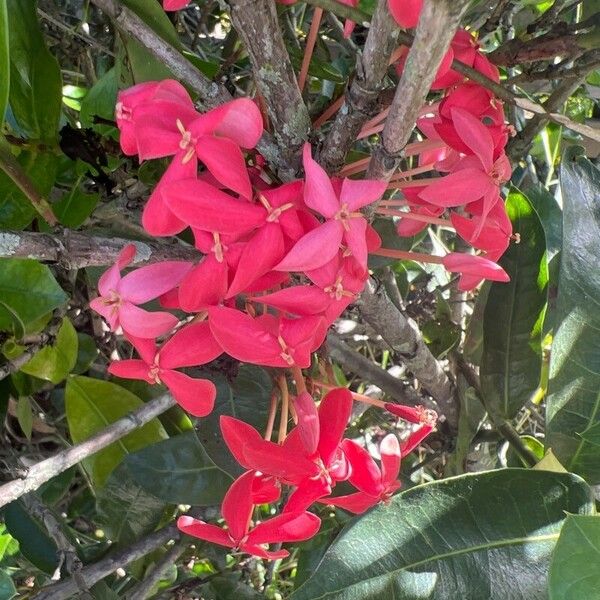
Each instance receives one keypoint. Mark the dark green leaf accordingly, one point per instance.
(231, 588)
(153, 15)
(100, 100)
(246, 398)
(125, 511)
(7, 587)
(574, 572)
(75, 207)
(573, 401)
(4, 59)
(53, 363)
(34, 542)
(511, 360)
(178, 470)
(29, 289)
(92, 405)
(86, 354)
(35, 82)
(486, 535)
(25, 416)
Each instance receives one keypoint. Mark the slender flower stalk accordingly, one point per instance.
(406, 255)
(415, 217)
(271, 419)
(310, 46)
(285, 405)
(401, 175)
(329, 112)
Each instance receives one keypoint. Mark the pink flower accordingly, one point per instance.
(191, 346)
(406, 12)
(374, 484)
(265, 340)
(343, 221)
(237, 511)
(119, 296)
(473, 269)
(172, 5)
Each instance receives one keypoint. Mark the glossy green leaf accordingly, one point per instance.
(573, 404)
(100, 100)
(91, 405)
(25, 416)
(30, 290)
(87, 351)
(486, 535)
(75, 207)
(53, 363)
(153, 15)
(4, 59)
(179, 470)
(247, 397)
(34, 542)
(575, 566)
(35, 97)
(8, 544)
(511, 360)
(125, 511)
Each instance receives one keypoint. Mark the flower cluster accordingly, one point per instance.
(311, 460)
(278, 264)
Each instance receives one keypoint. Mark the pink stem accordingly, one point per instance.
(404, 255)
(415, 217)
(310, 46)
(329, 112)
(410, 172)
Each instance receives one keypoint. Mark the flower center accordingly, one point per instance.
(274, 213)
(154, 372)
(122, 113)
(218, 248)
(286, 351)
(336, 289)
(186, 142)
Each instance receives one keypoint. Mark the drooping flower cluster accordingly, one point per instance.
(311, 460)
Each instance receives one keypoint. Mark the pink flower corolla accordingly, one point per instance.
(120, 295)
(475, 176)
(173, 5)
(310, 458)
(214, 138)
(237, 508)
(191, 346)
(375, 484)
(473, 269)
(344, 223)
(266, 340)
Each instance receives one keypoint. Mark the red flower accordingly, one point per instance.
(236, 509)
(191, 346)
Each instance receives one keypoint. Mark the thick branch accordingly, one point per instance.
(49, 468)
(361, 98)
(257, 25)
(354, 361)
(94, 573)
(211, 94)
(437, 25)
(74, 250)
(403, 336)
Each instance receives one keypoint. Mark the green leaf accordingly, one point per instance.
(511, 360)
(53, 363)
(573, 405)
(485, 535)
(247, 398)
(8, 544)
(153, 15)
(35, 82)
(75, 207)
(25, 416)
(34, 542)
(91, 405)
(125, 511)
(7, 587)
(4, 59)
(87, 352)
(574, 572)
(179, 470)
(100, 100)
(30, 290)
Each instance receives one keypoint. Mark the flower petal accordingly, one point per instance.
(204, 531)
(130, 369)
(391, 457)
(308, 421)
(356, 503)
(357, 193)
(475, 135)
(191, 346)
(205, 285)
(318, 190)
(196, 396)
(365, 475)
(149, 282)
(141, 323)
(334, 414)
(237, 505)
(287, 527)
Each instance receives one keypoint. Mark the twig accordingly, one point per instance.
(257, 25)
(94, 573)
(67, 553)
(10, 165)
(354, 361)
(587, 62)
(144, 589)
(403, 336)
(503, 426)
(495, 17)
(437, 25)
(74, 250)
(49, 468)
(518, 146)
(361, 98)
(211, 94)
